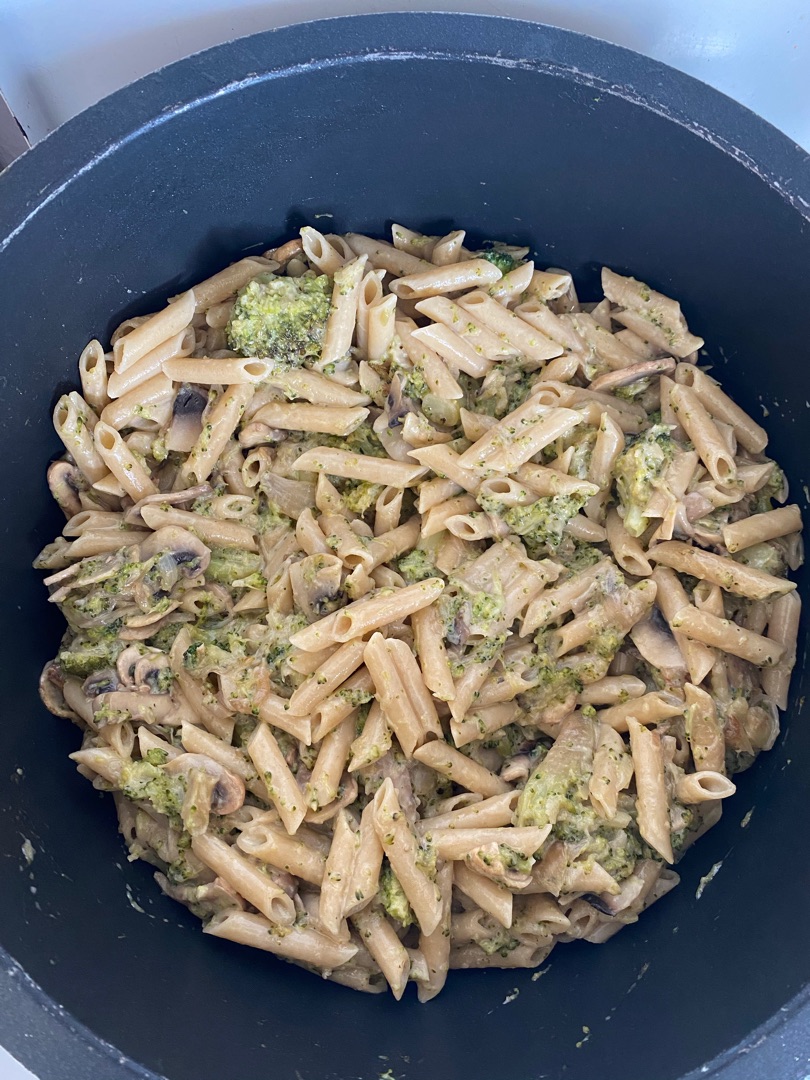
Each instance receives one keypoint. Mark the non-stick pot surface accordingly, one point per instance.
(516, 131)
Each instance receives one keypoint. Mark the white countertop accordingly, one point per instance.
(57, 58)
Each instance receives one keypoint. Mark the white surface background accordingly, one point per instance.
(58, 57)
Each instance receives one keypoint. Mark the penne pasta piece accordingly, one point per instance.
(729, 575)
(342, 319)
(612, 771)
(381, 940)
(360, 467)
(222, 372)
(338, 874)
(761, 527)
(483, 341)
(460, 769)
(703, 433)
(727, 636)
(219, 426)
(783, 628)
(647, 709)
(302, 944)
(749, 433)
(698, 787)
(494, 899)
(449, 278)
(401, 848)
(531, 342)
(246, 878)
(158, 328)
(651, 797)
(282, 787)
(704, 730)
(133, 477)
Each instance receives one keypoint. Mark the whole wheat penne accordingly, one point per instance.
(460, 769)
(761, 527)
(726, 635)
(729, 575)
(531, 342)
(783, 628)
(719, 404)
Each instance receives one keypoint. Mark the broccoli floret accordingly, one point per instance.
(506, 386)
(281, 318)
(363, 440)
(544, 521)
(82, 657)
(767, 494)
(500, 258)
(392, 897)
(360, 495)
(417, 565)
(143, 781)
(230, 564)
(636, 469)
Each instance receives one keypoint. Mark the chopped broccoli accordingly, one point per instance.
(417, 565)
(229, 564)
(83, 656)
(500, 258)
(143, 781)
(360, 495)
(392, 897)
(544, 521)
(769, 492)
(281, 318)
(636, 469)
(505, 387)
(363, 440)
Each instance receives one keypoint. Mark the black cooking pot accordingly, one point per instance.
(592, 154)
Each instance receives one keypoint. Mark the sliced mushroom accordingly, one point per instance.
(169, 498)
(398, 404)
(66, 481)
(101, 682)
(654, 640)
(141, 633)
(202, 900)
(317, 585)
(516, 769)
(51, 682)
(207, 600)
(229, 791)
(149, 671)
(626, 376)
(189, 405)
(189, 554)
(126, 663)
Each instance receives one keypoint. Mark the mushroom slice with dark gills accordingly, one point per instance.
(175, 553)
(51, 682)
(317, 585)
(210, 789)
(66, 481)
(189, 405)
(654, 640)
(94, 570)
(104, 681)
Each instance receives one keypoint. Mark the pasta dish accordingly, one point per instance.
(419, 613)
